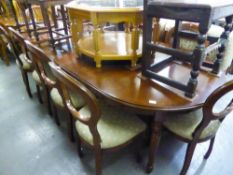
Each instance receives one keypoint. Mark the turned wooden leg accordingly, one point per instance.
(26, 82)
(209, 149)
(39, 94)
(98, 161)
(188, 157)
(154, 142)
(70, 127)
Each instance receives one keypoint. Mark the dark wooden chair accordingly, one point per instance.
(98, 125)
(24, 63)
(202, 124)
(44, 78)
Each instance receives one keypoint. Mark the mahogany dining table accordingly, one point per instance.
(122, 86)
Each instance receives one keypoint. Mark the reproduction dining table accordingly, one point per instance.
(127, 88)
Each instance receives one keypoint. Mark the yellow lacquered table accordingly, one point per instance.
(107, 45)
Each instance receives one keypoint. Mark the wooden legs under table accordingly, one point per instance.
(154, 141)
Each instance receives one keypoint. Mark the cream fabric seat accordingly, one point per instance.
(115, 126)
(57, 99)
(26, 65)
(185, 124)
(36, 77)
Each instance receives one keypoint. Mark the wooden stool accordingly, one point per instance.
(204, 15)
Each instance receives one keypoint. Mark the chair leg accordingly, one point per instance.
(79, 144)
(188, 157)
(210, 148)
(70, 126)
(26, 82)
(98, 161)
(39, 94)
(55, 114)
(48, 101)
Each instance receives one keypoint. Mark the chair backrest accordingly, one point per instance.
(67, 83)
(17, 43)
(40, 62)
(209, 114)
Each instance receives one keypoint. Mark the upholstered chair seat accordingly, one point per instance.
(185, 124)
(36, 77)
(76, 99)
(115, 127)
(26, 65)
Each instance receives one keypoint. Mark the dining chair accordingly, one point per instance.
(4, 41)
(188, 43)
(42, 74)
(202, 124)
(98, 125)
(22, 60)
(46, 80)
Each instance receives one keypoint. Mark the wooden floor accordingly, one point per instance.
(32, 144)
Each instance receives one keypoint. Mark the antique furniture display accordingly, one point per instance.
(104, 45)
(203, 13)
(55, 25)
(201, 125)
(113, 124)
(128, 89)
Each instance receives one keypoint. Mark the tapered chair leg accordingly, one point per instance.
(188, 157)
(55, 114)
(79, 146)
(39, 94)
(70, 126)
(98, 161)
(210, 148)
(47, 96)
(26, 82)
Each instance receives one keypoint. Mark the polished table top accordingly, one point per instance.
(127, 87)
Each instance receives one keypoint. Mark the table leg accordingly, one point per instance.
(154, 141)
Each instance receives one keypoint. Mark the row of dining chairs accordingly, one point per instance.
(99, 125)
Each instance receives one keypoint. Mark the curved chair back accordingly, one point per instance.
(40, 61)
(18, 41)
(65, 83)
(208, 114)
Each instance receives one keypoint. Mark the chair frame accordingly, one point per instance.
(4, 49)
(65, 81)
(39, 57)
(18, 44)
(208, 116)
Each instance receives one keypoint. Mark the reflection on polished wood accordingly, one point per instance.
(128, 88)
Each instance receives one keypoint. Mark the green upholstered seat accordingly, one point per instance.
(184, 124)
(57, 99)
(115, 126)
(26, 65)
